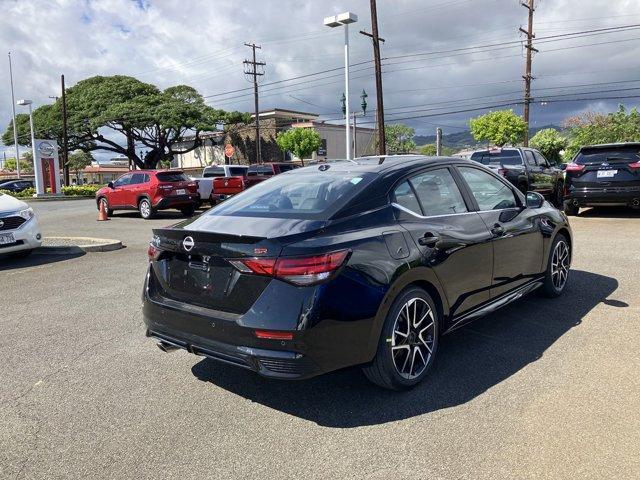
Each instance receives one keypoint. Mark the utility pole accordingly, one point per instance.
(255, 74)
(382, 144)
(15, 126)
(65, 140)
(527, 75)
(438, 141)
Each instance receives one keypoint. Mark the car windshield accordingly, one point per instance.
(313, 195)
(613, 154)
(172, 177)
(502, 157)
(214, 172)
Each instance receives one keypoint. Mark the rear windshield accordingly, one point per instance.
(503, 157)
(613, 154)
(172, 177)
(314, 195)
(237, 171)
(259, 170)
(214, 172)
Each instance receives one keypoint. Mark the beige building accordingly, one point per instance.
(271, 123)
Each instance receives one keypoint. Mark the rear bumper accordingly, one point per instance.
(177, 201)
(586, 197)
(321, 343)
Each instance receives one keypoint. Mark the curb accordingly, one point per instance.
(90, 245)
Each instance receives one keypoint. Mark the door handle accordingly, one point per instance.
(429, 239)
(497, 230)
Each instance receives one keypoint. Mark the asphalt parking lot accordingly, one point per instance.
(541, 389)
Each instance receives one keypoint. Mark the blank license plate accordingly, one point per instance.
(182, 191)
(606, 173)
(6, 238)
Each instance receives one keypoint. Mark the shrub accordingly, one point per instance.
(81, 190)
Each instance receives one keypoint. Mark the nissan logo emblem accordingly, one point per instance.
(1, 223)
(188, 244)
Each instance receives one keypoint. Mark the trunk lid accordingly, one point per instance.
(228, 185)
(193, 265)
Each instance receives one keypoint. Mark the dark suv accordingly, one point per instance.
(525, 168)
(607, 174)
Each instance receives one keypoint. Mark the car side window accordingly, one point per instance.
(438, 193)
(137, 178)
(489, 192)
(531, 161)
(542, 162)
(122, 181)
(404, 196)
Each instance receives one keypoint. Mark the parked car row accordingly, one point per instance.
(599, 175)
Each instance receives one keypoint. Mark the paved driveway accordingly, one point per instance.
(541, 389)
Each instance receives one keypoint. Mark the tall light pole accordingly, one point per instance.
(36, 170)
(335, 21)
(15, 127)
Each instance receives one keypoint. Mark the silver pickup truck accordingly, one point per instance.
(205, 183)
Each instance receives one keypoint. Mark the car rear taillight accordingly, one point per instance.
(273, 335)
(153, 252)
(296, 270)
(574, 167)
(634, 166)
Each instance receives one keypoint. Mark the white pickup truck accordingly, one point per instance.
(205, 183)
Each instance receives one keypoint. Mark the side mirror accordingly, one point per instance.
(563, 166)
(534, 200)
(110, 185)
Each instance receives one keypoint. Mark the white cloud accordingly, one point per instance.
(200, 42)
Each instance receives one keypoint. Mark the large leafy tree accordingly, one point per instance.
(550, 142)
(399, 138)
(592, 128)
(499, 128)
(119, 113)
(78, 160)
(300, 141)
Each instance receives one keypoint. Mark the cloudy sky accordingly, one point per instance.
(431, 70)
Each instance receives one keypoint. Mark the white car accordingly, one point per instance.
(19, 229)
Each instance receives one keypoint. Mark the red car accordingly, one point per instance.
(149, 191)
(225, 187)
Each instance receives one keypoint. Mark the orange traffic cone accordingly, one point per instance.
(102, 212)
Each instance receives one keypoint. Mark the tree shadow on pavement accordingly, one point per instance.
(8, 262)
(470, 361)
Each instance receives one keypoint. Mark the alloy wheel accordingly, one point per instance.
(145, 208)
(412, 341)
(560, 263)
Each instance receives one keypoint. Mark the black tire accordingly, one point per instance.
(146, 209)
(106, 206)
(558, 196)
(557, 268)
(389, 368)
(188, 211)
(570, 209)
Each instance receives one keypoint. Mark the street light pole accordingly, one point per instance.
(15, 127)
(344, 19)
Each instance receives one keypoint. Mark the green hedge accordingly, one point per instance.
(70, 191)
(29, 192)
(81, 190)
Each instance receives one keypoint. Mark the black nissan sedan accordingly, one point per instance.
(364, 262)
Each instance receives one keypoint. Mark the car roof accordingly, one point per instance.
(612, 145)
(382, 163)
